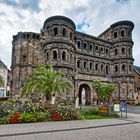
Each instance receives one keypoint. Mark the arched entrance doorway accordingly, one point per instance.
(87, 94)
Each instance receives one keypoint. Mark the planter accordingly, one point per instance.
(104, 110)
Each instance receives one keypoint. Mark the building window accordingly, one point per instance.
(64, 32)
(101, 49)
(123, 50)
(116, 52)
(122, 33)
(54, 55)
(129, 51)
(116, 68)
(107, 70)
(130, 68)
(47, 55)
(91, 47)
(96, 48)
(123, 68)
(96, 66)
(106, 51)
(90, 65)
(64, 55)
(85, 45)
(115, 35)
(102, 66)
(55, 30)
(78, 64)
(78, 44)
(70, 35)
(24, 58)
(85, 65)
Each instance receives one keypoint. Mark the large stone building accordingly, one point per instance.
(82, 57)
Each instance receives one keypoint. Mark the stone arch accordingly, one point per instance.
(87, 94)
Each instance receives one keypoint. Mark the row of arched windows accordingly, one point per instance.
(91, 47)
(123, 33)
(123, 51)
(93, 66)
(55, 31)
(123, 68)
(63, 56)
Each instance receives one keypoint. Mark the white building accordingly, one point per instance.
(4, 74)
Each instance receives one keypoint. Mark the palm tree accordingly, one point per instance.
(46, 81)
(1, 81)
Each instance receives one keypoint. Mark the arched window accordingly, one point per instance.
(115, 35)
(90, 65)
(64, 32)
(78, 64)
(106, 51)
(85, 45)
(123, 67)
(123, 50)
(96, 48)
(102, 67)
(54, 55)
(129, 51)
(116, 51)
(130, 68)
(47, 55)
(101, 49)
(128, 33)
(24, 58)
(70, 35)
(91, 46)
(85, 65)
(122, 33)
(64, 55)
(107, 70)
(116, 68)
(55, 30)
(96, 66)
(78, 44)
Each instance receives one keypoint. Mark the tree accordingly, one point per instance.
(46, 81)
(104, 91)
(1, 81)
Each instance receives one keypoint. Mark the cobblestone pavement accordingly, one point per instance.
(105, 129)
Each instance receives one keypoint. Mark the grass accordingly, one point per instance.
(93, 116)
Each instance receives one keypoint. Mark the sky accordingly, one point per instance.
(90, 16)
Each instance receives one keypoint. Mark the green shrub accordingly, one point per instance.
(89, 111)
(43, 116)
(28, 117)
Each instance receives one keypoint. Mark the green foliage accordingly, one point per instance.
(28, 117)
(89, 111)
(46, 81)
(43, 116)
(1, 81)
(104, 91)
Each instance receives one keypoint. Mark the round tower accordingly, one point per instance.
(57, 38)
(121, 33)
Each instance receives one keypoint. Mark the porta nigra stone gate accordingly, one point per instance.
(81, 57)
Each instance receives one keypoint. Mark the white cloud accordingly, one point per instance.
(98, 14)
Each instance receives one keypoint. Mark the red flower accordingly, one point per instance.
(56, 117)
(14, 118)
